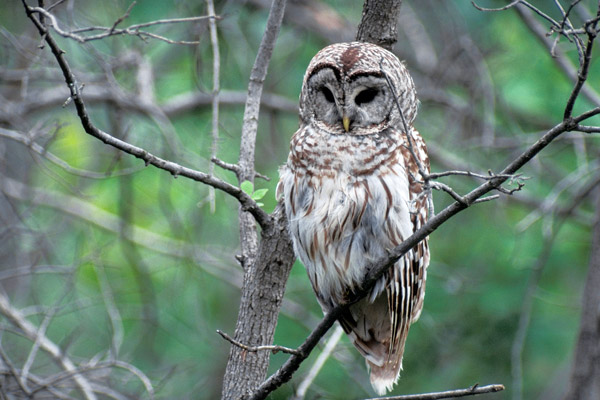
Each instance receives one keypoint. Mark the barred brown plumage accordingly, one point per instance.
(353, 190)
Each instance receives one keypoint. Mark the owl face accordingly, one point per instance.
(345, 90)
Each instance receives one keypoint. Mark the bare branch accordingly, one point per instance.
(76, 207)
(490, 175)
(590, 28)
(214, 40)
(13, 371)
(101, 92)
(133, 30)
(248, 234)
(506, 7)
(18, 137)
(235, 168)
(449, 190)
(526, 4)
(558, 56)
(587, 129)
(319, 362)
(474, 390)
(246, 202)
(272, 348)
(35, 335)
(53, 380)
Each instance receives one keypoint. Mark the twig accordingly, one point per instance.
(214, 40)
(53, 380)
(133, 30)
(526, 4)
(506, 7)
(41, 332)
(235, 168)
(13, 371)
(587, 129)
(319, 362)
(18, 137)
(121, 18)
(490, 175)
(272, 348)
(248, 233)
(33, 334)
(449, 190)
(590, 28)
(101, 92)
(473, 390)
(558, 56)
(246, 202)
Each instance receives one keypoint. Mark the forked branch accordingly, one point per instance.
(246, 202)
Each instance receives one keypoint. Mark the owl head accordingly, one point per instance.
(345, 90)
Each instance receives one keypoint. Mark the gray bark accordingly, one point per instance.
(262, 293)
(379, 23)
(266, 268)
(585, 374)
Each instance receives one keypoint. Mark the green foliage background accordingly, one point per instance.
(172, 294)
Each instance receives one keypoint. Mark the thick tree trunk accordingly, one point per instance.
(266, 273)
(379, 23)
(585, 374)
(264, 286)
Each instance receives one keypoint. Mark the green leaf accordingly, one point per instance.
(259, 194)
(247, 187)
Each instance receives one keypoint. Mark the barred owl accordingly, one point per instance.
(352, 191)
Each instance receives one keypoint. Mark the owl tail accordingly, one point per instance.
(383, 378)
(369, 329)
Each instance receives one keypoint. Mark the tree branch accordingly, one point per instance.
(274, 349)
(582, 74)
(246, 202)
(379, 23)
(472, 391)
(133, 30)
(37, 336)
(214, 41)
(265, 271)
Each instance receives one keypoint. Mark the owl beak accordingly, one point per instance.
(346, 123)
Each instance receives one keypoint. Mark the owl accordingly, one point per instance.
(353, 191)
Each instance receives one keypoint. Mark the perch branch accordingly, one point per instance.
(472, 391)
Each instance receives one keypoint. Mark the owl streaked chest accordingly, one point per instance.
(317, 153)
(348, 203)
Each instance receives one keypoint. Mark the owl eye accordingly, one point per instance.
(366, 96)
(327, 93)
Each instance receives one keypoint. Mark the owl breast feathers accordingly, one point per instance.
(352, 192)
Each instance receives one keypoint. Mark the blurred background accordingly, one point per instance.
(130, 272)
